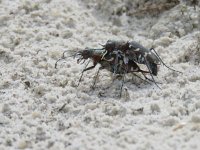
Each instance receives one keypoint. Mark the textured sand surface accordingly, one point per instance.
(33, 36)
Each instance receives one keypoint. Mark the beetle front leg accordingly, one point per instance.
(86, 70)
(95, 78)
(89, 68)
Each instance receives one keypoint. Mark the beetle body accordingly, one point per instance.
(114, 62)
(136, 52)
(141, 55)
(109, 62)
(121, 66)
(120, 57)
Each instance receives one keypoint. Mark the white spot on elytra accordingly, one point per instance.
(137, 50)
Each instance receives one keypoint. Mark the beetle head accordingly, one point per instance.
(110, 45)
(83, 54)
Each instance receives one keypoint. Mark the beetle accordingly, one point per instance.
(121, 57)
(113, 62)
(138, 53)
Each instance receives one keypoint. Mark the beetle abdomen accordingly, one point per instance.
(153, 68)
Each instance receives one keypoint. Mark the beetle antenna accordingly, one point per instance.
(163, 62)
(63, 57)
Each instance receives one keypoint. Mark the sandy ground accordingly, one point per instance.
(33, 36)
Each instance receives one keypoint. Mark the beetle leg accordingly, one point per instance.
(148, 78)
(89, 68)
(123, 76)
(104, 55)
(141, 78)
(147, 64)
(143, 73)
(116, 64)
(82, 72)
(83, 61)
(137, 69)
(95, 79)
(152, 49)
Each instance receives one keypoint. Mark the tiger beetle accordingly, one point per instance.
(139, 54)
(112, 62)
(120, 57)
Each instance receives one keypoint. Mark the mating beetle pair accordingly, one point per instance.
(120, 57)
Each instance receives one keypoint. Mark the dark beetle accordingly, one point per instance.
(120, 57)
(109, 61)
(113, 62)
(137, 53)
(141, 55)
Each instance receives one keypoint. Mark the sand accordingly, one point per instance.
(41, 107)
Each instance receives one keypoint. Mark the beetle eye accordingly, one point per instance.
(110, 46)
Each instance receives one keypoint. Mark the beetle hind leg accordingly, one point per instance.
(152, 49)
(148, 66)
